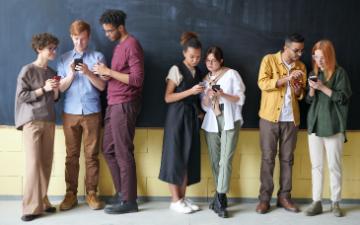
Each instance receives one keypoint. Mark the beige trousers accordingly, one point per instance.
(38, 139)
(332, 147)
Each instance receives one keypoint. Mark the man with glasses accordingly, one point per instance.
(282, 79)
(125, 82)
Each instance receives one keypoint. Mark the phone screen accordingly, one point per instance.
(77, 62)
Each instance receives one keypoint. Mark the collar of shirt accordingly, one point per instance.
(76, 54)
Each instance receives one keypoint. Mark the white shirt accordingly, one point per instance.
(232, 84)
(286, 114)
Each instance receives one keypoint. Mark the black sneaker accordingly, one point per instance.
(122, 207)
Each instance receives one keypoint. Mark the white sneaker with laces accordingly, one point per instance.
(180, 207)
(191, 205)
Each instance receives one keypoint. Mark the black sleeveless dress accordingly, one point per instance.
(181, 144)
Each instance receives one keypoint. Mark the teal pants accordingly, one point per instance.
(221, 146)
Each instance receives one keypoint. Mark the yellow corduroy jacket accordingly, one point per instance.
(271, 70)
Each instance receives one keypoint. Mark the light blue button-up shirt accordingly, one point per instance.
(81, 98)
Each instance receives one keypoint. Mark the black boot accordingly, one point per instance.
(211, 205)
(219, 205)
(117, 198)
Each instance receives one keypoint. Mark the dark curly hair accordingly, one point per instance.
(42, 40)
(114, 17)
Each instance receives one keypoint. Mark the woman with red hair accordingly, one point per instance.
(328, 97)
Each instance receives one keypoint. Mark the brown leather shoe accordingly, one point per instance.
(69, 202)
(263, 207)
(287, 204)
(93, 201)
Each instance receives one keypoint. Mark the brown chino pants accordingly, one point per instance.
(38, 139)
(272, 136)
(76, 128)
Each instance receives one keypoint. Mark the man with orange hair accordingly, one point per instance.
(82, 114)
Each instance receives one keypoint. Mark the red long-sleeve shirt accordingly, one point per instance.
(128, 58)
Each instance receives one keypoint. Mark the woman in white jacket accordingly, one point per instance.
(223, 100)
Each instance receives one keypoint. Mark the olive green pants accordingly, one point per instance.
(221, 146)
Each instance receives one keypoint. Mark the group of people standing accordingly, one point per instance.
(82, 75)
(212, 102)
(283, 83)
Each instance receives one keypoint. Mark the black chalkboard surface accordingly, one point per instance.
(245, 29)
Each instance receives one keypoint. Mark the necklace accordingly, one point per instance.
(213, 76)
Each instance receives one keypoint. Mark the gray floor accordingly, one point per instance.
(157, 213)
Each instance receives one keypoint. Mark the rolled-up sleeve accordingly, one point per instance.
(239, 88)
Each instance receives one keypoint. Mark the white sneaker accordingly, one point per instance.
(191, 205)
(180, 207)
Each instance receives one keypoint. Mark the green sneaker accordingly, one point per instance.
(314, 209)
(335, 208)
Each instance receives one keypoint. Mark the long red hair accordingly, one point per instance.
(328, 50)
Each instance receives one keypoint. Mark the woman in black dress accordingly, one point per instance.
(180, 164)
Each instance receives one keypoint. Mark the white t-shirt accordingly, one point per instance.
(175, 75)
(286, 114)
(232, 84)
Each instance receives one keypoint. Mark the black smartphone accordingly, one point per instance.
(77, 62)
(216, 87)
(313, 78)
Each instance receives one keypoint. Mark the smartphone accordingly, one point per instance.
(202, 83)
(313, 78)
(77, 62)
(216, 87)
(56, 77)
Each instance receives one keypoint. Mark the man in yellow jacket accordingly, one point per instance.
(282, 79)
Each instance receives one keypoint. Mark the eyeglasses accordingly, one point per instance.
(52, 48)
(318, 58)
(109, 31)
(297, 51)
(212, 61)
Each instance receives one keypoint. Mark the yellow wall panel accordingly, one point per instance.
(148, 149)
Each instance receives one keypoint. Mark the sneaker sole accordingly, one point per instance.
(114, 212)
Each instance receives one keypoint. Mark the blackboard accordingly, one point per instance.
(245, 29)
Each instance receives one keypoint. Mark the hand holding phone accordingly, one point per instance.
(202, 83)
(313, 78)
(56, 78)
(216, 87)
(77, 63)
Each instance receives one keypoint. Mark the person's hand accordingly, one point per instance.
(196, 89)
(101, 69)
(83, 68)
(50, 84)
(72, 71)
(104, 77)
(219, 92)
(295, 75)
(316, 85)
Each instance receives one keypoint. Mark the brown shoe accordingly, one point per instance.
(93, 201)
(263, 207)
(69, 202)
(287, 204)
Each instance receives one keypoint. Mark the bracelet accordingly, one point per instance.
(43, 90)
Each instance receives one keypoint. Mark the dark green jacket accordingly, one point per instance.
(328, 115)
